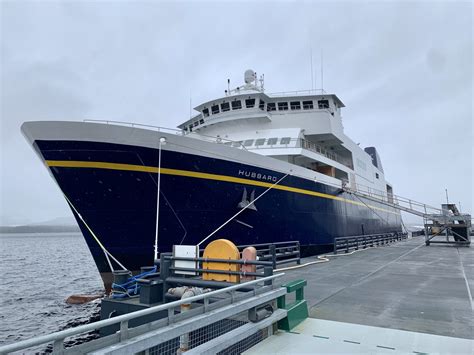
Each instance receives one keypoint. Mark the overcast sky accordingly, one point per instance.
(403, 69)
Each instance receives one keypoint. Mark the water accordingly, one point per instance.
(38, 273)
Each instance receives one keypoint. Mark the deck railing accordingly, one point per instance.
(179, 132)
(125, 332)
(305, 144)
(365, 241)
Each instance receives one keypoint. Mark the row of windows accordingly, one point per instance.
(259, 142)
(250, 103)
(236, 105)
(271, 106)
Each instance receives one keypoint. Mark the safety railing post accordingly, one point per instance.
(298, 262)
(170, 315)
(272, 248)
(58, 346)
(123, 330)
(268, 271)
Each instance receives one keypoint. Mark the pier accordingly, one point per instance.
(405, 286)
(406, 297)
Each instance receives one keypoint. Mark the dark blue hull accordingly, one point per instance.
(119, 202)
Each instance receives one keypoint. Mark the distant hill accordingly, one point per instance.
(56, 225)
(58, 221)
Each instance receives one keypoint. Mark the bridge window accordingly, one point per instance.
(261, 105)
(377, 175)
(271, 106)
(285, 140)
(195, 124)
(322, 104)
(249, 103)
(272, 141)
(236, 105)
(201, 121)
(205, 112)
(295, 105)
(225, 106)
(308, 105)
(215, 109)
(260, 141)
(282, 106)
(248, 142)
(237, 144)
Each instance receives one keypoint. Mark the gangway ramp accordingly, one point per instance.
(400, 203)
(446, 221)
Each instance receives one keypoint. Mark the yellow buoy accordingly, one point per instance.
(221, 249)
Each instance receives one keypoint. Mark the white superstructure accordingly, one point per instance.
(301, 128)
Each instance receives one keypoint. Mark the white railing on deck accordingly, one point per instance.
(298, 92)
(305, 144)
(178, 132)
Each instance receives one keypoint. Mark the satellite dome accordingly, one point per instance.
(249, 76)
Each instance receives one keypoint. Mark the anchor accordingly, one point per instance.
(244, 202)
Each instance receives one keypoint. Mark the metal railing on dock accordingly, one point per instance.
(168, 268)
(277, 253)
(365, 241)
(215, 315)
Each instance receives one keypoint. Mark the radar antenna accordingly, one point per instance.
(249, 76)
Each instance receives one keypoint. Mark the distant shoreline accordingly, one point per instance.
(39, 229)
(42, 234)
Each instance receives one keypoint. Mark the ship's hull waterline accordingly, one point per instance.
(113, 185)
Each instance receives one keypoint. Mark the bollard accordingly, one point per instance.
(120, 277)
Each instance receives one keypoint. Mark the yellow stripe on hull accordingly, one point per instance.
(198, 175)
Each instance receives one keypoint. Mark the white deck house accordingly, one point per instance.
(301, 128)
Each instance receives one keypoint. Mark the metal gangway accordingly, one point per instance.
(445, 222)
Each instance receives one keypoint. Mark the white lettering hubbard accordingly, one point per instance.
(258, 176)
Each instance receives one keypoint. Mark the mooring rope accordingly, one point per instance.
(161, 141)
(106, 252)
(243, 209)
(130, 287)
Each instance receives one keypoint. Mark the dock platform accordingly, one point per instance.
(401, 295)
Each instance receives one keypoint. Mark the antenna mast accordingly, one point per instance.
(190, 105)
(322, 71)
(312, 76)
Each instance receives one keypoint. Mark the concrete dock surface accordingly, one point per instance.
(404, 286)
(317, 336)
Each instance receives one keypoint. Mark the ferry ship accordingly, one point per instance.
(281, 159)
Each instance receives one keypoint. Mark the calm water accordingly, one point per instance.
(38, 272)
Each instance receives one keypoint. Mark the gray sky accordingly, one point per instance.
(403, 69)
